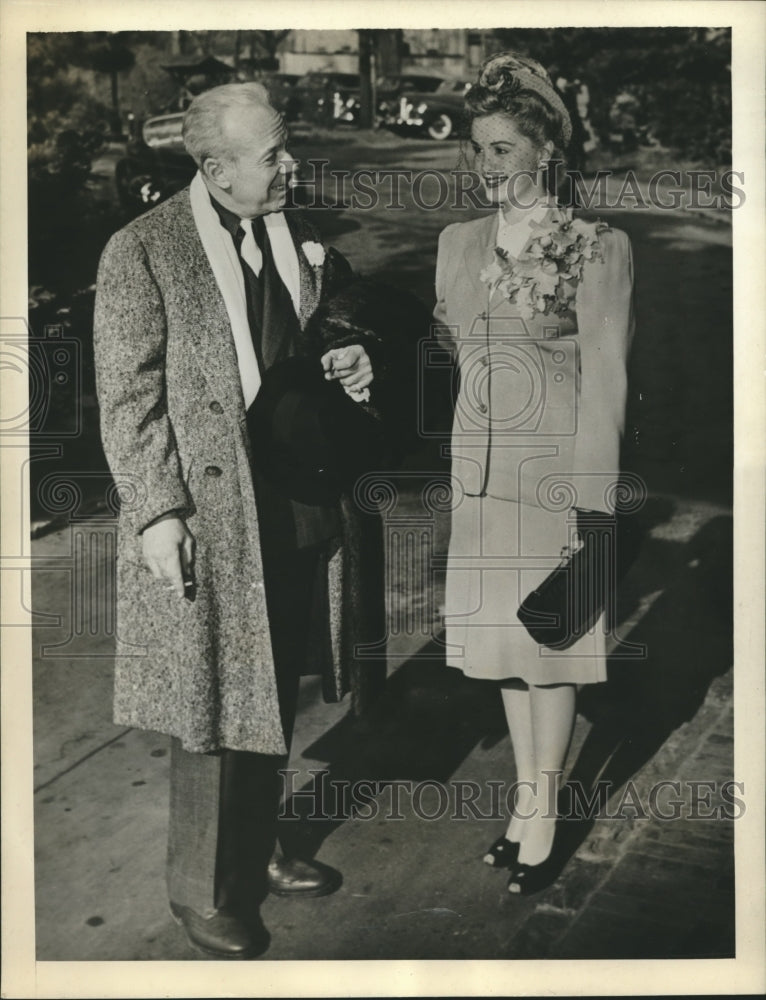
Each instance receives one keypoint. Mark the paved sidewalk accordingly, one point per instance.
(414, 888)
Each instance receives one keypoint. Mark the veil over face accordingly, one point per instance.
(508, 161)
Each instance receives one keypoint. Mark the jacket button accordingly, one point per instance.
(215, 407)
(213, 470)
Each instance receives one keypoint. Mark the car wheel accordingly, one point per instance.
(137, 191)
(441, 127)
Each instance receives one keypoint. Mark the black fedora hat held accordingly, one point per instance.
(310, 439)
(390, 323)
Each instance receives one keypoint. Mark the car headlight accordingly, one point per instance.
(422, 108)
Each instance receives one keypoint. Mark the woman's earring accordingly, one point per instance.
(546, 177)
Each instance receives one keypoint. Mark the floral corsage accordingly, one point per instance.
(543, 278)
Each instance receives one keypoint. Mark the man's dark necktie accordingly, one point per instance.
(275, 331)
(270, 311)
(254, 279)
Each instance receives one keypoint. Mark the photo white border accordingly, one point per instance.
(22, 976)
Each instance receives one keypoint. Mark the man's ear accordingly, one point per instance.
(217, 171)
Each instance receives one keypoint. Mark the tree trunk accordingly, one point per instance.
(367, 86)
(116, 123)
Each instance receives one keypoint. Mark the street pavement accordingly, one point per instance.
(635, 885)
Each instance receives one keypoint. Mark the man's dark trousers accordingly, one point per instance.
(223, 808)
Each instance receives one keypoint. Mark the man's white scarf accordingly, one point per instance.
(227, 270)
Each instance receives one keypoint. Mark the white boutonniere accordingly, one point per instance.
(314, 253)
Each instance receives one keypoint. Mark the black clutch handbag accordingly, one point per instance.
(569, 601)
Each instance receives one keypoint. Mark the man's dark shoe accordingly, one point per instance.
(296, 877)
(221, 935)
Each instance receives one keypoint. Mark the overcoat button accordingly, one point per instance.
(213, 470)
(216, 407)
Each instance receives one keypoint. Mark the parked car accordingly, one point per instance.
(388, 89)
(281, 88)
(320, 96)
(345, 93)
(155, 165)
(393, 86)
(434, 113)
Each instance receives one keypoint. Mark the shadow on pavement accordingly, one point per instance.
(425, 724)
(687, 633)
(430, 718)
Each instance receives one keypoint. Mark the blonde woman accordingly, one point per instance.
(537, 309)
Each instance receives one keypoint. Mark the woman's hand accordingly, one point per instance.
(351, 365)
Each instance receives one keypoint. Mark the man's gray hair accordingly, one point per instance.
(203, 127)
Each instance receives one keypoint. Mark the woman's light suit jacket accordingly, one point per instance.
(540, 410)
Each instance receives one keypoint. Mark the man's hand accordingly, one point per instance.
(351, 365)
(169, 552)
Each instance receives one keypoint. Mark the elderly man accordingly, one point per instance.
(225, 589)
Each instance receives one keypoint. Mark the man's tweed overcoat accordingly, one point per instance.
(173, 426)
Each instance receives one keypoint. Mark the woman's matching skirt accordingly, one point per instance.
(499, 551)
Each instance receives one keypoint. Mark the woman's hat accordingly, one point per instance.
(309, 438)
(510, 73)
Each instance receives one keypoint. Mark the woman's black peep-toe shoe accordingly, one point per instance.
(502, 854)
(525, 880)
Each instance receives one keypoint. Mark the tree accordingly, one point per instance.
(380, 52)
(106, 52)
(65, 130)
(367, 46)
(268, 42)
(681, 78)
